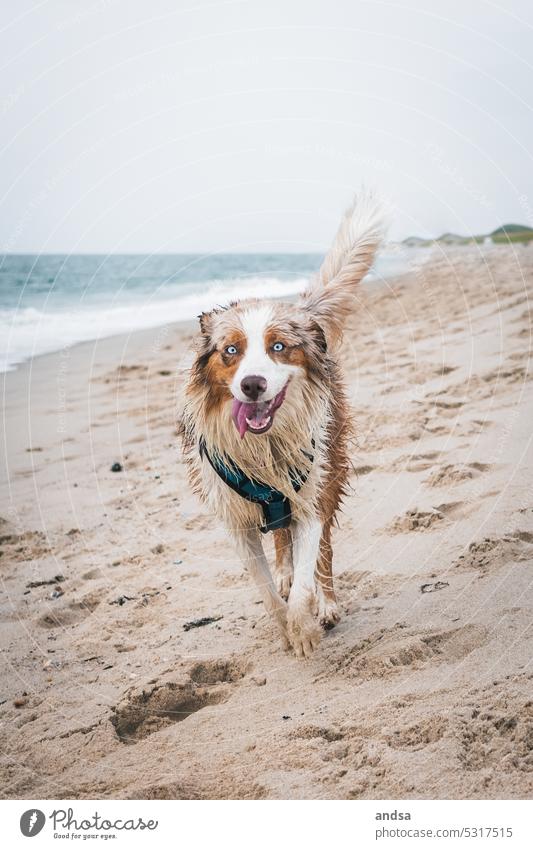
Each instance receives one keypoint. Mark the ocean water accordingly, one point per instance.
(49, 302)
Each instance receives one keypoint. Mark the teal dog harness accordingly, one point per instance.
(275, 505)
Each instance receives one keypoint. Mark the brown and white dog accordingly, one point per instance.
(266, 398)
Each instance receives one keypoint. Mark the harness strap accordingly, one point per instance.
(275, 505)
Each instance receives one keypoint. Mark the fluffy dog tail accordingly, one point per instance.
(330, 297)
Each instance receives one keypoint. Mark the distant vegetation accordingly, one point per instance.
(512, 233)
(506, 233)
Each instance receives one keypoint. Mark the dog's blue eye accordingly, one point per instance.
(278, 346)
(231, 349)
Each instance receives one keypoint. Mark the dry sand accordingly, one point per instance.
(424, 690)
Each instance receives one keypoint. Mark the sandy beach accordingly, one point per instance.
(425, 688)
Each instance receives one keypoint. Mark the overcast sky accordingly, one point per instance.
(175, 125)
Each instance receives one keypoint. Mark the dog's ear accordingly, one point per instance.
(319, 336)
(203, 345)
(206, 324)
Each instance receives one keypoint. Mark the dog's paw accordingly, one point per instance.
(304, 634)
(328, 612)
(303, 629)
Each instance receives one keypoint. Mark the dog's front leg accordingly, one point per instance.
(304, 630)
(283, 569)
(251, 551)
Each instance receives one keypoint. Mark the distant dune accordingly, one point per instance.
(505, 233)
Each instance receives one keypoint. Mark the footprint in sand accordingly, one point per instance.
(198, 523)
(359, 471)
(506, 374)
(453, 474)
(70, 613)
(123, 372)
(388, 651)
(494, 552)
(436, 429)
(418, 374)
(448, 408)
(30, 545)
(361, 586)
(488, 385)
(350, 579)
(418, 736)
(498, 732)
(313, 732)
(425, 520)
(146, 709)
(415, 462)
(92, 574)
(231, 579)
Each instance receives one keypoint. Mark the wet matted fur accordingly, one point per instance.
(283, 353)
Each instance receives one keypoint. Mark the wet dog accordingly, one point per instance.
(265, 428)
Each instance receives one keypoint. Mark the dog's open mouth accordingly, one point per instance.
(256, 417)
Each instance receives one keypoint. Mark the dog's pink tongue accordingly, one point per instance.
(240, 412)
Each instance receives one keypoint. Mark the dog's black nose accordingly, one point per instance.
(253, 386)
